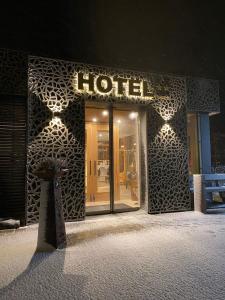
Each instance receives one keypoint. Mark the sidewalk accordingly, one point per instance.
(122, 256)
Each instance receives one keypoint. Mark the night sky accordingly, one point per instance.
(174, 36)
(182, 37)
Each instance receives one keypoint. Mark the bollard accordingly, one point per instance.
(199, 193)
(51, 230)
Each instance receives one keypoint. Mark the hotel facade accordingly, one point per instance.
(130, 139)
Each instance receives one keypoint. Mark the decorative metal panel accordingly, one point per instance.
(57, 129)
(58, 138)
(13, 72)
(202, 95)
(167, 153)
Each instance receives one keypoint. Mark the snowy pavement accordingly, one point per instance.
(121, 256)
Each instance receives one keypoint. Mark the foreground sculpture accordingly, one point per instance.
(51, 230)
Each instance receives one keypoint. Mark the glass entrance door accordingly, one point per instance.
(126, 160)
(111, 160)
(97, 161)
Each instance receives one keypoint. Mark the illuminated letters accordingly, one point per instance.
(100, 84)
(116, 86)
(89, 81)
(134, 87)
(120, 81)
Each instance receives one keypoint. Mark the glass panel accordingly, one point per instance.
(97, 183)
(126, 160)
(102, 164)
(192, 134)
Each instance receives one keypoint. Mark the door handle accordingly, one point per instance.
(95, 168)
(90, 167)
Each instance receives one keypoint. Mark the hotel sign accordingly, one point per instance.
(116, 86)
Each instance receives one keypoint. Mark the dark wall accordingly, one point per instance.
(174, 36)
(13, 99)
(217, 127)
(182, 37)
(12, 156)
(51, 89)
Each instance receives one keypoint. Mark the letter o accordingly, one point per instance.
(104, 89)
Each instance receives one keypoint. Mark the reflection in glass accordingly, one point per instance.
(97, 181)
(122, 146)
(126, 160)
(102, 164)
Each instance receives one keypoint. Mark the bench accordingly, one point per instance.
(201, 187)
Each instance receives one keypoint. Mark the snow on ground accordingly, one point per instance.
(121, 256)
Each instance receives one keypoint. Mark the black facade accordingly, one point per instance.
(13, 120)
(56, 124)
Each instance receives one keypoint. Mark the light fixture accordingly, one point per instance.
(56, 121)
(133, 115)
(105, 113)
(119, 121)
(94, 120)
(122, 146)
(100, 135)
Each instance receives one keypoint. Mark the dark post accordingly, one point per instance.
(51, 230)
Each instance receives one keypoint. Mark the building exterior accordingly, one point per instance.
(130, 139)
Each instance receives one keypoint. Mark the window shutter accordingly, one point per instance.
(12, 156)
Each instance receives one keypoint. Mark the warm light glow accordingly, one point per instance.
(119, 121)
(114, 91)
(54, 105)
(122, 146)
(55, 123)
(166, 127)
(55, 108)
(105, 113)
(94, 120)
(56, 120)
(133, 115)
(104, 84)
(167, 114)
(167, 117)
(100, 135)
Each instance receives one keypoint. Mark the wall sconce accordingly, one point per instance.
(56, 114)
(56, 118)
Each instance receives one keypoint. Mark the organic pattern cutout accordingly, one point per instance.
(57, 129)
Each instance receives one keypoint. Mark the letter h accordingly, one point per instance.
(89, 81)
